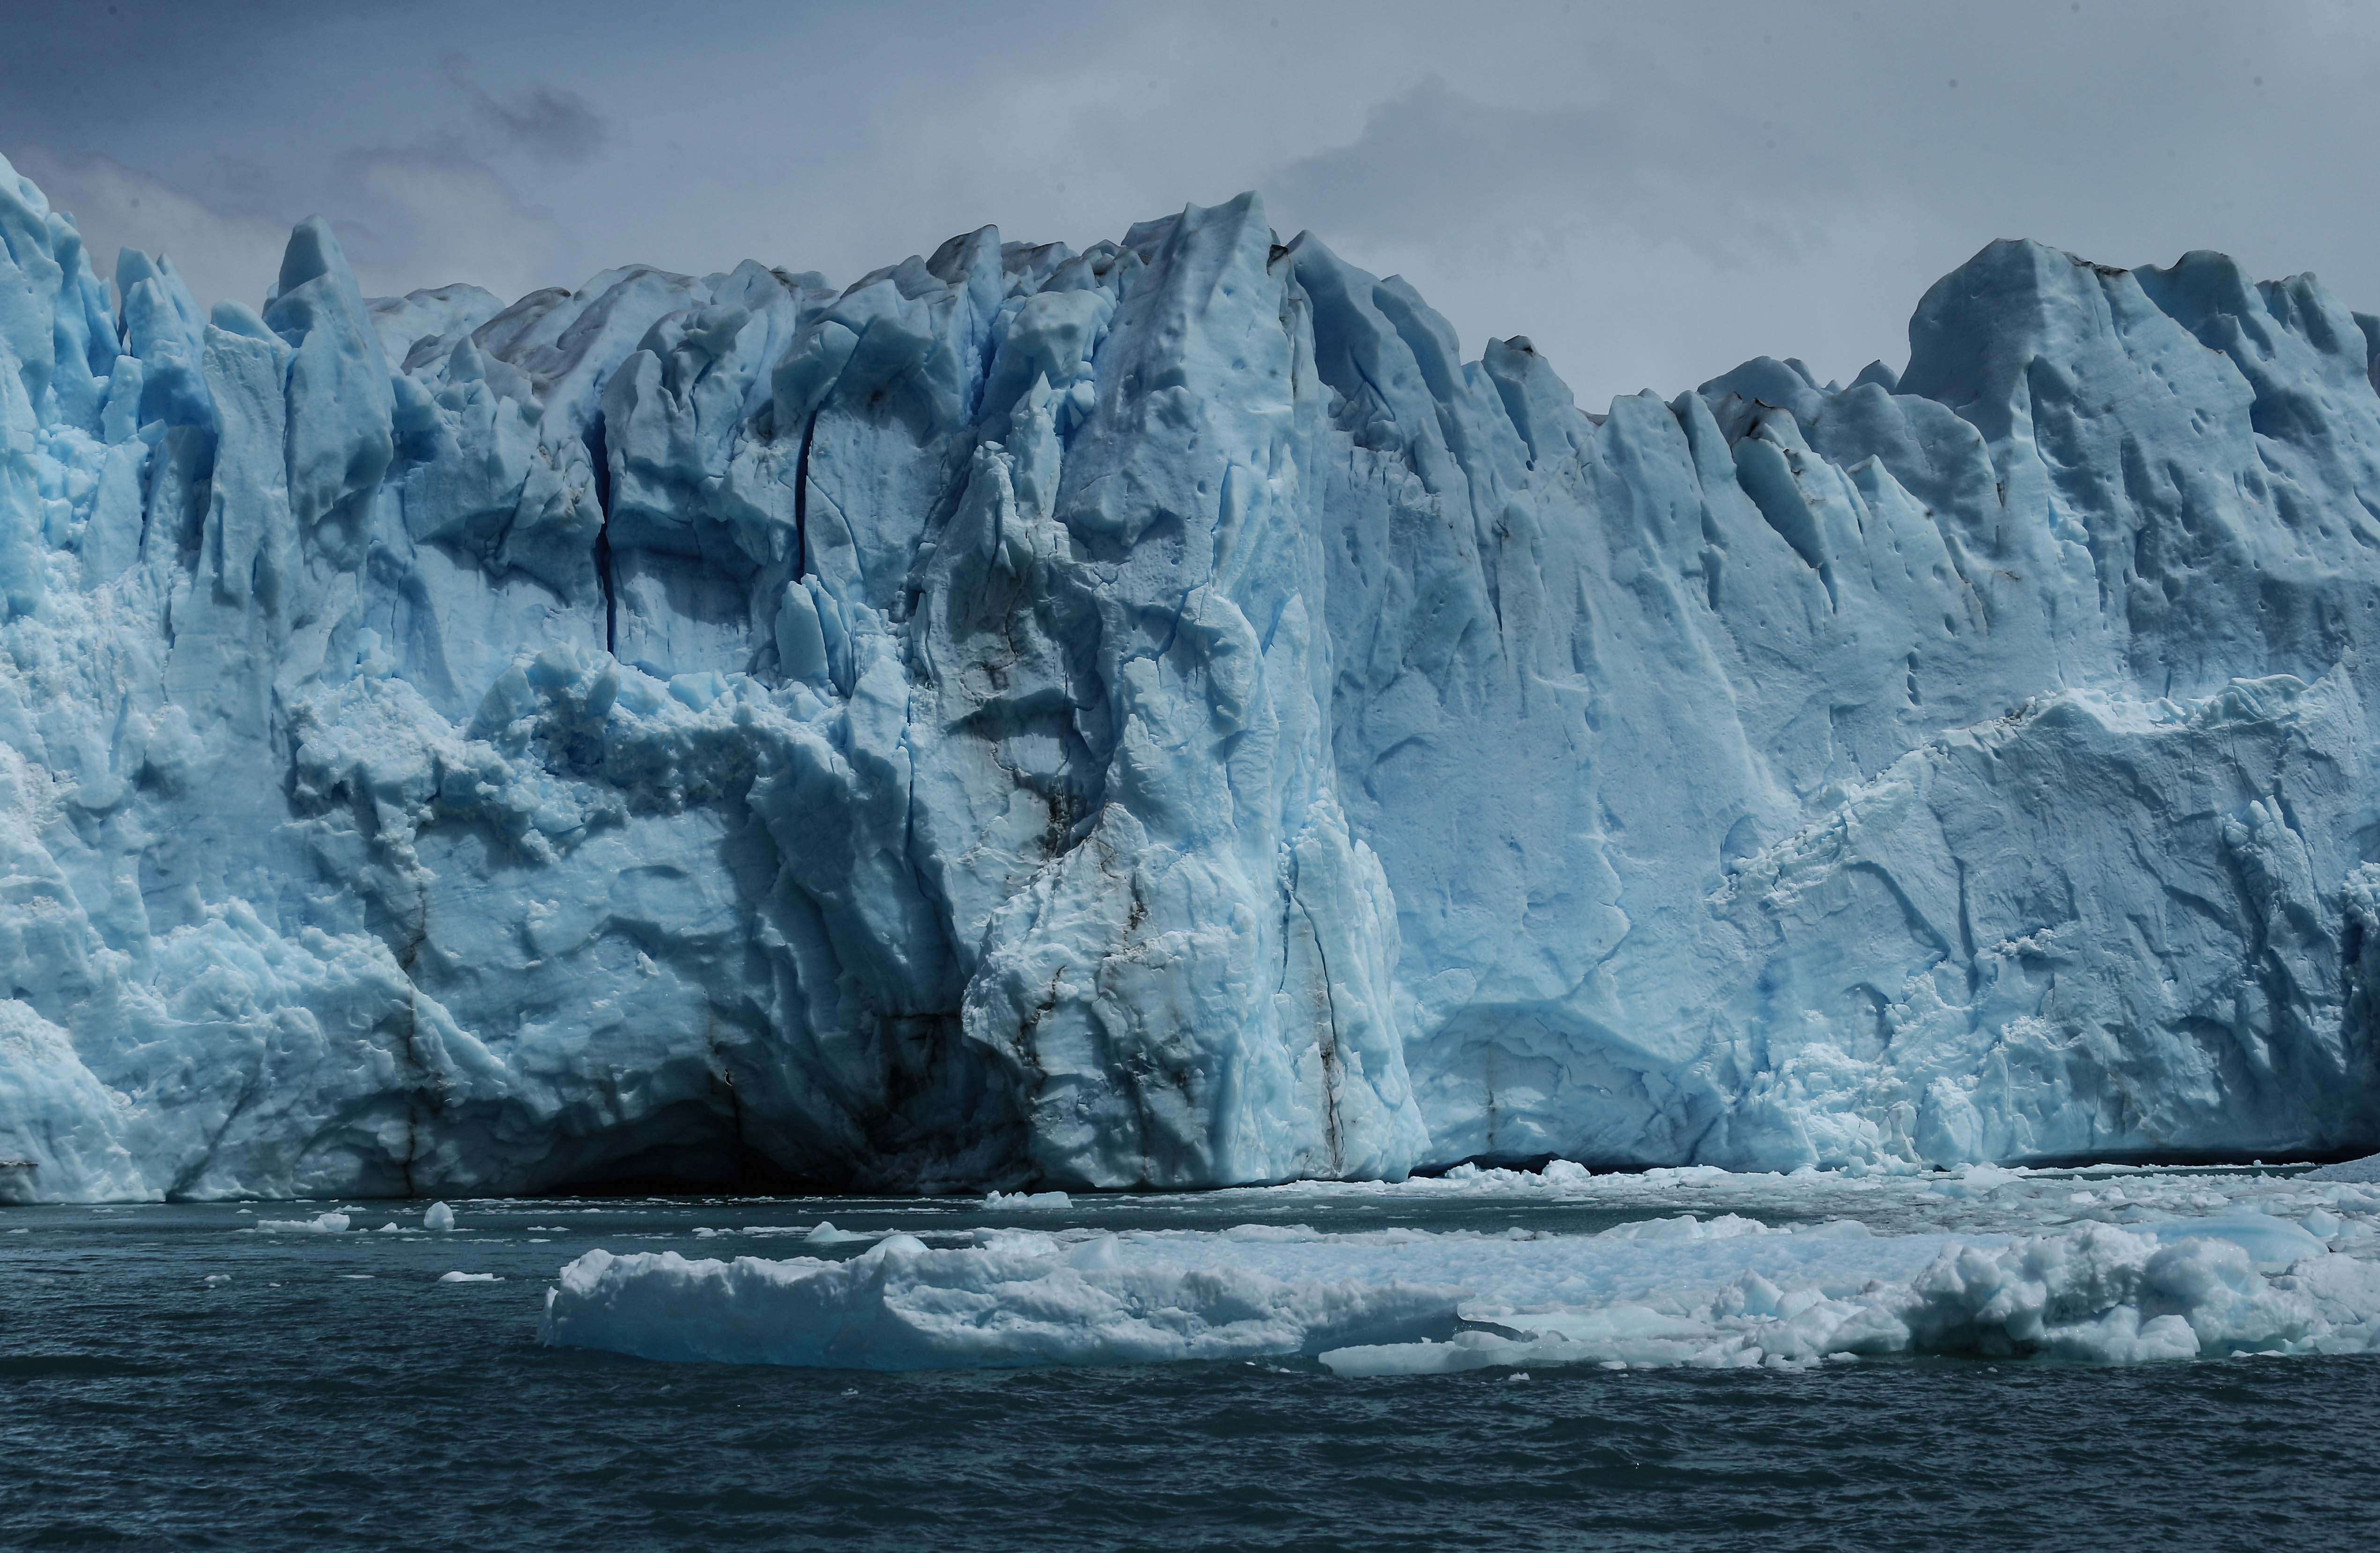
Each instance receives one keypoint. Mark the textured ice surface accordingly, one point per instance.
(2109, 1269)
(1157, 717)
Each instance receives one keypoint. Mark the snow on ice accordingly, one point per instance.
(1158, 717)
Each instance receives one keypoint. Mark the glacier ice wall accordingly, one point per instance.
(1158, 716)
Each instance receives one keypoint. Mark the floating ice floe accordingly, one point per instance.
(1019, 1299)
(1974, 1197)
(2266, 1265)
(822, 1233)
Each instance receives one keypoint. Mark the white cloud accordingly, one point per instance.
(221, 257)
(413, 218)
(406, 218)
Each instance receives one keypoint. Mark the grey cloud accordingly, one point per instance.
(1656, 195)
(1432, 159)
(550, 123)
(1636, 249)
(1652, 193)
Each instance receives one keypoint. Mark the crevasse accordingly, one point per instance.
(1157, 717)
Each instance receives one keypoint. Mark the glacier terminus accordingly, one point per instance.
(1157, 717)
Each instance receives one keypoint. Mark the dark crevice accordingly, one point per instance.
(802, 501)
(407, 962)
(190, 1176)
(1329, 1049)
(599, 454)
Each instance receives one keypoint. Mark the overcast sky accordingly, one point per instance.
(1651, 192)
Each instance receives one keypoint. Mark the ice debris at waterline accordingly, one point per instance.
(2197, 1268)
(2367, 1169)
(1156, 716)
(331, 1224)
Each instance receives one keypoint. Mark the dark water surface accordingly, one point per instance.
(327, 1392)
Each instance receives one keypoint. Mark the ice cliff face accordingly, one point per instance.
(1158, 716)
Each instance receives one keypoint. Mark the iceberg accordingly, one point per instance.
(1156, 717)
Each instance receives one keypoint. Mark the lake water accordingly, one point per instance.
(171, 1378)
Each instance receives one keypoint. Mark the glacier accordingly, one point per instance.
(1158, 717)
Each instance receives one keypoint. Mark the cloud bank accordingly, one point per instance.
(1650, 194)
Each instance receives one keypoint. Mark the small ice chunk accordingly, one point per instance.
(469, 1278)
(1013, 1200)
(439, 1217)
(1977, 1181)
(321, 1224)
(2272, 1244)
(1838, 1228)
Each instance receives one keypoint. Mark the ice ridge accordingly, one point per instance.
(1158, 716)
